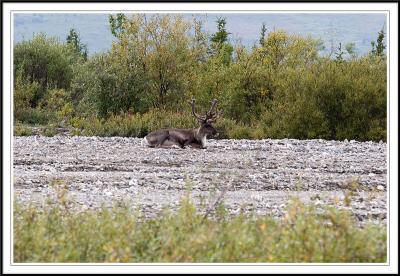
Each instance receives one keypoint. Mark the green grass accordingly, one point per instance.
(139, 125)
(59, 234)
(22, 130)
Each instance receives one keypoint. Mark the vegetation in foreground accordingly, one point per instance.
(305, 234)
(282, 87)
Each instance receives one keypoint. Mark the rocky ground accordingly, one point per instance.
(253, 176)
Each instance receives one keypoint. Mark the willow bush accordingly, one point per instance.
(120, 234)
(280, 87)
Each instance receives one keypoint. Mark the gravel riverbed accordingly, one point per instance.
(257, 176)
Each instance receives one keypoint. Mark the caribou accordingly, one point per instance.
(195, 138)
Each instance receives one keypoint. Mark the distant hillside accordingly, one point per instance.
(331, 28)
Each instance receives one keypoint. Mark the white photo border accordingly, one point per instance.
(391, 9)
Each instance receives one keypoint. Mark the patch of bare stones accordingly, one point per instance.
(252, 176)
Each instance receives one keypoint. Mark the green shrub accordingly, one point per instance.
(50, 131)
(44, 61)
(36, 116)
(135, 125)
(56, 233)
(58, 103)
(330, 100)
(22, 130)
(281, 88)
(43, 73)
(24, 93)
(258, 132)
(240, 132)
(224, 126)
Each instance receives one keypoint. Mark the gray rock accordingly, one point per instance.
(266, 173)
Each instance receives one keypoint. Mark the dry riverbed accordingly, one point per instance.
(253, 176)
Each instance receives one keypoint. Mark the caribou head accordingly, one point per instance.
(186, 137)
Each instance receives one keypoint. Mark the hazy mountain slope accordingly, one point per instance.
(331, 28)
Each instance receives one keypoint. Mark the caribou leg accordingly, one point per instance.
(195, 145)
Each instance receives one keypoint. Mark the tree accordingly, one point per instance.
(379, 47)
(220, 42)
(74, 40)
(45, 61)
(262, 35)
(151, 65)
(221, 36)
(200, 42)
(339, 53)
(117, 24)
(350, 48)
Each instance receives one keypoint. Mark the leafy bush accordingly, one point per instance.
(44, 61)
(58, 103)
(281, 88)
(59, 234)
(230, 129)
(43, 73)
(148, 67)
(24, 93)
(50, 130)
(36, 116)
(331, 100)
(22, 130)
(136, 125)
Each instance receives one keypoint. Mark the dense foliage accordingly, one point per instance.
(306, 234)
(281, 87)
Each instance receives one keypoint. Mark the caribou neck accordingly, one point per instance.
(200, 137)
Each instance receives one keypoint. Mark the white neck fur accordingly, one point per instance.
(203, 141)
(201, 138)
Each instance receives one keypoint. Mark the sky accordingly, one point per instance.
(332, 28)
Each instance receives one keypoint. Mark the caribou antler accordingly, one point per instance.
(211, 111)
(212, 115)
(198, 117)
